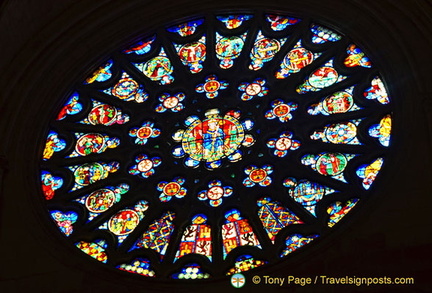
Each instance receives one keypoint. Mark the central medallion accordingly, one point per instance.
(212, 139)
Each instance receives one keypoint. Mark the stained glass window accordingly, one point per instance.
(230, 138)
(196, 238)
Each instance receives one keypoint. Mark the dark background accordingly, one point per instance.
(46, 45)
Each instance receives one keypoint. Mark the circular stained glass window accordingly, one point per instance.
(217, 145)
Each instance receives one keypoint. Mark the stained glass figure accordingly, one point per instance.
(105, 114)
(356, 57)
(338, 210)
(53, 144)
(211, 86)
(306, 193)
(215, 193)
(145, 165)
(89, 173)
(321, 78)
(50, 184)
(264, 50)
(336, 103)
(141, 47)
(295, 60)
(377, 92)
(93, 143)
(295, 241)
(283, 144)
(237, 232)
(103, 73)
(213, 139)
(275, 217)
(281, 110)
(192, 54)
(234, 21)
(187, 28)
(279, 22)
(94, 249)
(339, 133)
(64, 220)
(228, 49)
(369, 172)
(382, 130)
(127, 89)
(328, 164)
(191, 271)
(158, 234)
(322, 35)
(196, 238)
(170, 102)
(245, 263)
(144, 133)
(124, 222)
(256, 175)
(253, 89)
(72, 107)
(158, 68)
(100, 200)
(140, 266)
(171, 189)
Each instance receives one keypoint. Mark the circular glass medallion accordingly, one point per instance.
(193, 52)
(170, 102)
(339, 102)
(215, 192)
(89, 173)
(90, 143)
(213, 138)
(145, 165)
(100, 200)
(283, 143)
(341, 132)
(172, 188)
(103, 114)
(298, 58)
(212, 86)
(123, 222)
(125, 88)
(323, 77)
(229, 47)
(144, 132)
(266, 48)
(258, 175)
(253, 89)
(281, 110)
(331, 164)
(157, 68)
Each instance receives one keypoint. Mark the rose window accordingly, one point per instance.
(216, 145)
